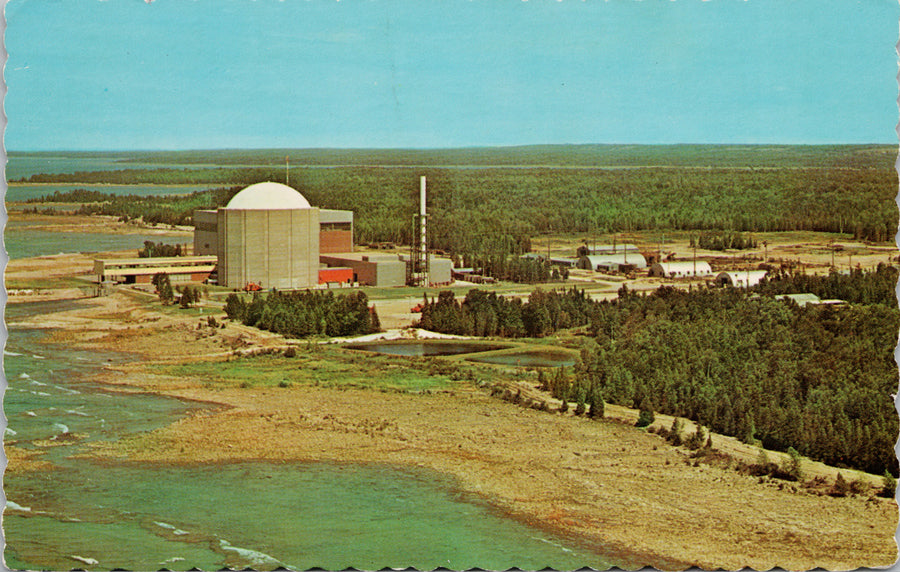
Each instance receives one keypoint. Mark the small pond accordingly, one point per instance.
(530, 358)
(426, 348)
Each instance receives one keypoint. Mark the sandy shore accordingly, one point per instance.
(623, 491)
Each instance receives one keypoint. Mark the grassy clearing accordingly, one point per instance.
(326, 367)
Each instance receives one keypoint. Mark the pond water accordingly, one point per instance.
(426, 348)
(530, 358)
(103, 515)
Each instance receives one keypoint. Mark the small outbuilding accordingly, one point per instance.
(681, 269)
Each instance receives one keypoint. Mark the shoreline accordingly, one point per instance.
(603, 482)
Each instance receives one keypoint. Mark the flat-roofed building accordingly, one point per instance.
(142, 270)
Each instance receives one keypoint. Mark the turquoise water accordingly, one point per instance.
(101, 515)
(23, 243)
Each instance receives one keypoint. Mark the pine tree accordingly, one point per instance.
(598, 407)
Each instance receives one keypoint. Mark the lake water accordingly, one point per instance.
(21, 242)
(99, 516)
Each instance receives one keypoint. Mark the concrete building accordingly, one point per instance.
(682, 269)
(386, 270)
(141, 270)
(268, 234)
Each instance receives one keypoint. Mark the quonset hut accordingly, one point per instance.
(685, 269)
(269, 235)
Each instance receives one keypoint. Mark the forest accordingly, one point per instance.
(487, 314)
(492, 211)
(815, 378)
(305, 313)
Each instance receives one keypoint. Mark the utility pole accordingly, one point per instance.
(287, 171)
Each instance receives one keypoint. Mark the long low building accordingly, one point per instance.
(740, 279)
(386, 270)
(622, 262)
(681, 269)
(142, 270)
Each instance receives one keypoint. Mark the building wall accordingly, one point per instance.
(390, 273)
(272, 248)
(372, 271)
(335, 231)
(335, 240)
(439, 270)
(205, 232)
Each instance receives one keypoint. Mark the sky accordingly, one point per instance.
(211, 74)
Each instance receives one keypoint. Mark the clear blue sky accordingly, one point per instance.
(195, 74)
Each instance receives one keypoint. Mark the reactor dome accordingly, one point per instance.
(268, 196)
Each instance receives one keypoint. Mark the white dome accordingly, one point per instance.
(268, 196)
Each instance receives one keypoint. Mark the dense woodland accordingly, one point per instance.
(815, 378)
(723, 240)
(487, 314)
(302, 314)
(158, 250)
(496, 211)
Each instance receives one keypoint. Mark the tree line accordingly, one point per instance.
(484, 313)
(815, 378)
(723, 240)
(159, 250)
(858, 286)
(481, 210)
(305, 313)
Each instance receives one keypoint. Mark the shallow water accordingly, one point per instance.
(98, 516)
(20, 242)
(433, 348)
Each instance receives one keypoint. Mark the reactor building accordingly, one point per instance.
(269, 235)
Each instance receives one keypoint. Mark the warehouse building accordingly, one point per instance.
(622, 262)
(142, 270)
(686, 269)
(740, 279)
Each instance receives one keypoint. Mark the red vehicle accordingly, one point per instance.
(252, 287)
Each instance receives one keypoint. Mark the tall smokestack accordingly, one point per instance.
(422, 216)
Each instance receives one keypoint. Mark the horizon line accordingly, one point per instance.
(449, 148)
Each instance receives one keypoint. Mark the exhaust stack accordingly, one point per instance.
(422, 216)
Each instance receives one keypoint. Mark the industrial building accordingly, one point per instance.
(683, 269)
(624, 261)
(142, 270)
(740, 279)
(270, 236)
